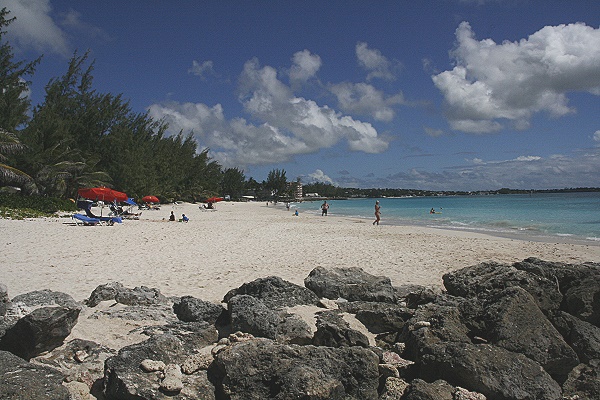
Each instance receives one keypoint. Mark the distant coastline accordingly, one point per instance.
(326, 191)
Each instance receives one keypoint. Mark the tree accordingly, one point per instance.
(233, 182)
(66, 131)
(10, 144)
(276, 183)
(14, 102)
(14, 105)
(80, 137)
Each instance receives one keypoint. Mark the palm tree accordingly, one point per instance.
(10, 144)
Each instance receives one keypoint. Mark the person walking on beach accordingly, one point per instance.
(324, 208)
(377, 213)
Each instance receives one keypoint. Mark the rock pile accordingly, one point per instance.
(530, 330)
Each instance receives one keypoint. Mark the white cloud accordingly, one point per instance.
(513, 80)
(72, 21)
(377, 65)
(319, 176)
(364, 99)
(287, 125)
(433, 132)
(202, 69)
(35, 27)
(597, 136)
(305, 66)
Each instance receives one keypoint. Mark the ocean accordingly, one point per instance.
(537, 216)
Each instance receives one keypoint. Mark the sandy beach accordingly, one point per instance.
(220, 250)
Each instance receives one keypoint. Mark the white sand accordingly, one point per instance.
(220, 250)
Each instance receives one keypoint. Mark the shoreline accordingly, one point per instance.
(220, 250)
(515, 234)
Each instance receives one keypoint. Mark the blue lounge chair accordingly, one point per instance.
(85, 220)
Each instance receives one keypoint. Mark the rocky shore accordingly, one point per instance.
(527, 330)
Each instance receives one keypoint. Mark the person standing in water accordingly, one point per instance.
(377, 213)
(324, 208)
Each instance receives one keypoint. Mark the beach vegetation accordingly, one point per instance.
(14, 106)
(18, 206)
(14, 87)
(277, 184)
(233, 182)
(78, 138)
(9, 175)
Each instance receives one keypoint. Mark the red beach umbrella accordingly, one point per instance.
(102, 193)
(214, 199)
(150, 199)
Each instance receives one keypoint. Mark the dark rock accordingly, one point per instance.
(333, 331)
(421, 296)
(488, 278)
(42, 330)
(517, 324)
(104, 292)
(275, 293)
(583, 300)
(43, 298)
(124, 379)
(140, 296)
(404, 290)
(378, 317)
(493, 371)
(250, 315)
(564, 275)
(582, 336)
(352, 284)
(584, 382)
(293, 330)
(24, 304)
(191, 309)
(262, 369)
(4, 299)
(191, 334)
(78, 360)
(421, 390)
(154, 312)
(23, 380)
(431, 326)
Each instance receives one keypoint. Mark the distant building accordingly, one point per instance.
(296, 189)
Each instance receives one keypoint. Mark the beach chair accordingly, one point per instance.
(85, 220)
(118, 211)
(86, 206)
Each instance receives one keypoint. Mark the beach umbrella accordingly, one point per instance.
(150, 199)
(102, 193)
(214, 199)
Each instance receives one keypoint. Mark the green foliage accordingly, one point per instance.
(19, 206)
(277, 183)
(81, 138)
(325, 190)
(65, 132)
(233, 182)
(14, 103)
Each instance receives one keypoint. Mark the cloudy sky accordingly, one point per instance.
(435, 94)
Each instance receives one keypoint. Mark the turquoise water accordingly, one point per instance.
(537, 216)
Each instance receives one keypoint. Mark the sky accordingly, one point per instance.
(432, 94)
